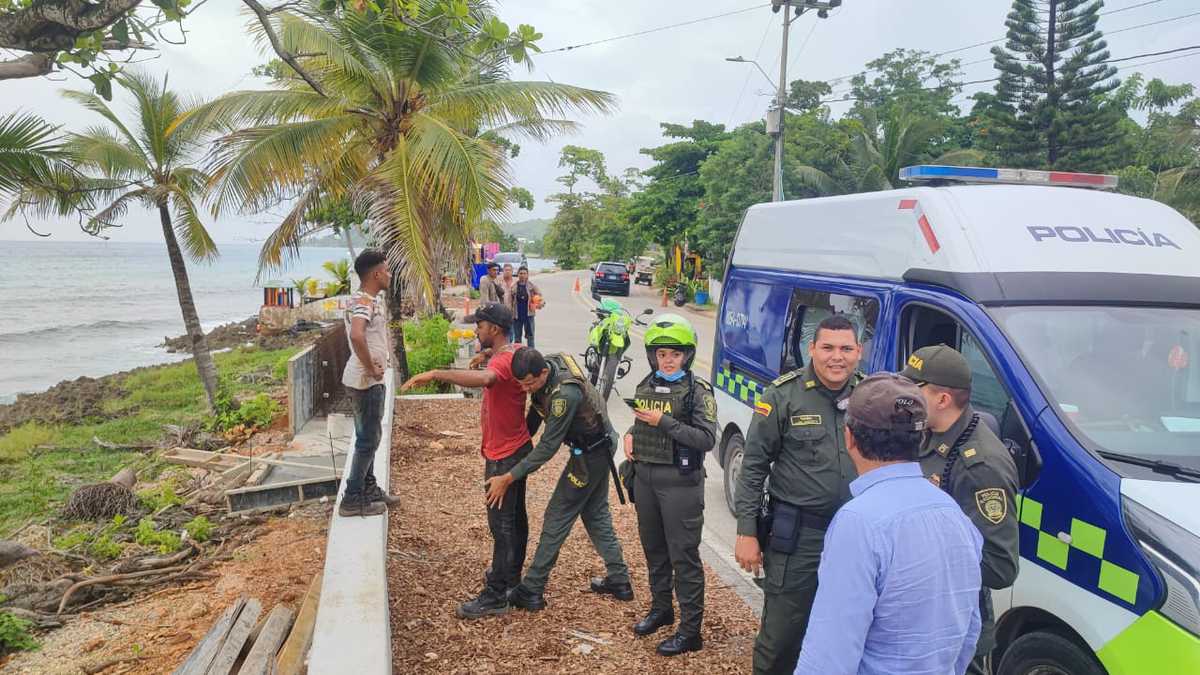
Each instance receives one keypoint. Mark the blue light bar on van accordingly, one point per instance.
(925, 173)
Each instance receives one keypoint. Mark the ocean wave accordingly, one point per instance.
(76, 330)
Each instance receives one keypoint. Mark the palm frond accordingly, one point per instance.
(29, 150)
(190, 230)
(497, 103)
(283, 243)
(108, 216)
(98, 105)
(816, 179)
(101, 149)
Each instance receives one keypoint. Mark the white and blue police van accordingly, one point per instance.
(1079, 312)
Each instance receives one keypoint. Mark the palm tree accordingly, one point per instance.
(29, 151)
(146, 164)
(394, 127)
(880, 150)
(340, 271)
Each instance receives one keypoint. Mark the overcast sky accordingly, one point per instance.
(674, 75)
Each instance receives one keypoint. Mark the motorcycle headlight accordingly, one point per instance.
(1175, 552)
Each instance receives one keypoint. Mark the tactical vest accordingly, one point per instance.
(588, 425)
(651, 444)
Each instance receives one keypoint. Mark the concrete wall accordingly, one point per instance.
(315, 375)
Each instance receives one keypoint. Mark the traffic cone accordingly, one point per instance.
(664, 298)
(576, 284)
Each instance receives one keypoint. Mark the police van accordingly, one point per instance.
(1079, 313)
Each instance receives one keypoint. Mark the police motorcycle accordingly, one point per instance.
(608, 339)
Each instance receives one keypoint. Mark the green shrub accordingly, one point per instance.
(199, 528)
(99, 544)
(253, 413)
(161, 497)
(14, 634)
(74, 538)
(147, 534)
(105, 548)
(16, 444)
(426, 343)
(280, 369)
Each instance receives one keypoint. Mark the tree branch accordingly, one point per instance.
(287, 57)
(53, 25)
(30, 65)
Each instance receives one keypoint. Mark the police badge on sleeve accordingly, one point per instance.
(992, 504)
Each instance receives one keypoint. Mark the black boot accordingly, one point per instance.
(678, 644)
(376, 494)
(489, 603)
(621, 590)
(523, 598)
(657, 618)
(357, 504)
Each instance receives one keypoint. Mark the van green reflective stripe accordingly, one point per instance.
(1151, 644)
(1118, 581)
(1087, 539)
(739, 386)
(1053, 551)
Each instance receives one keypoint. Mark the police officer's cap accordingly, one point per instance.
(492, 312)
(940, 365)
(887, 401)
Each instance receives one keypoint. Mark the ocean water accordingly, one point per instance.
(92, 308)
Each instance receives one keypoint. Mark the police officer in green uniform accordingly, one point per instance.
(574, 414)
(676, 424)
(963, 457)
(796, 439)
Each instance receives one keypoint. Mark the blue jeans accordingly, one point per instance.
(525, 326)
(368, 429)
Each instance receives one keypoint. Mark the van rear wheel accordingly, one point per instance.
(735, 448)
(1042, 653)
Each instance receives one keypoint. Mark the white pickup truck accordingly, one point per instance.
(643, 270)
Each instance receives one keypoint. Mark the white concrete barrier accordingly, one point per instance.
(353, 632)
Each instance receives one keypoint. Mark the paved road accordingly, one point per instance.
(563, 326)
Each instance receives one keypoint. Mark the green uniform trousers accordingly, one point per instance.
(789, 589)
(670, 509)
(568, 503)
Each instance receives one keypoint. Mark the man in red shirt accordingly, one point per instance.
(505, 443)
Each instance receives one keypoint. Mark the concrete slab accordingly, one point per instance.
(353, 632)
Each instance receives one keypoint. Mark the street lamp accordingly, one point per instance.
(739, 59)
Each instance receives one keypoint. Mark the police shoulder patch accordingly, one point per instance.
(992, 504)
(785, 378)
(558, 407)
(704, 384)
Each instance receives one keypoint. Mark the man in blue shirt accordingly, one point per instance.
(898, 585)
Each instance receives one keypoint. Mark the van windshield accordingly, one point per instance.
(1127, 379)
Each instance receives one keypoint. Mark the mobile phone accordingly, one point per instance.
(630, 402)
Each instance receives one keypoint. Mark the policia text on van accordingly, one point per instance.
(1078, 312)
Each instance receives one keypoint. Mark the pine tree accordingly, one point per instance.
(1050, 107)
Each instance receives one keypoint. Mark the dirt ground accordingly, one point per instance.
(154, 633)
(439, 546)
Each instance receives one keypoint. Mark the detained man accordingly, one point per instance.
(898, 585)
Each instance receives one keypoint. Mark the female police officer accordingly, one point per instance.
(676, 424)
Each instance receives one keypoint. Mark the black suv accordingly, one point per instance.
(610, 277)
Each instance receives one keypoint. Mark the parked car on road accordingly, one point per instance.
(610, 277)
(514, 259)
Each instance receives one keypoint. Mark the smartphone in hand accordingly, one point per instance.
(631, 403)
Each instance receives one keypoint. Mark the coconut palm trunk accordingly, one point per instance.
(191, 321)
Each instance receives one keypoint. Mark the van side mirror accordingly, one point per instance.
(1024, 451)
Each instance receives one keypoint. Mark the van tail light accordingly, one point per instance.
(624, 276)
(599, 274)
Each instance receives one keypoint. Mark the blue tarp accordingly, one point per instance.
(477, 270)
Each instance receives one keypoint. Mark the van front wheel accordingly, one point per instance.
(1043, 653)
(734, 450)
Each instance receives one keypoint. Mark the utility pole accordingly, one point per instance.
(776, 116)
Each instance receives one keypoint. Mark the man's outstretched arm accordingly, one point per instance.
(476, 379)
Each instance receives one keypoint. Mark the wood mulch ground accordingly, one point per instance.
(153, 633)
(439, 546)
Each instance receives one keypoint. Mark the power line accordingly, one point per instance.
(654, 30)
(1115, 32)
(994, 79)
(1002, 39)
(749, 72)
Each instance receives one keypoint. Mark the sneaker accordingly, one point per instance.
(358, 505)
(487, 604)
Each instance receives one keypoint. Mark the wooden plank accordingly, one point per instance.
(295, 649)
(236, 640)
(202, 459)
(272, 635)
(201, 657)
